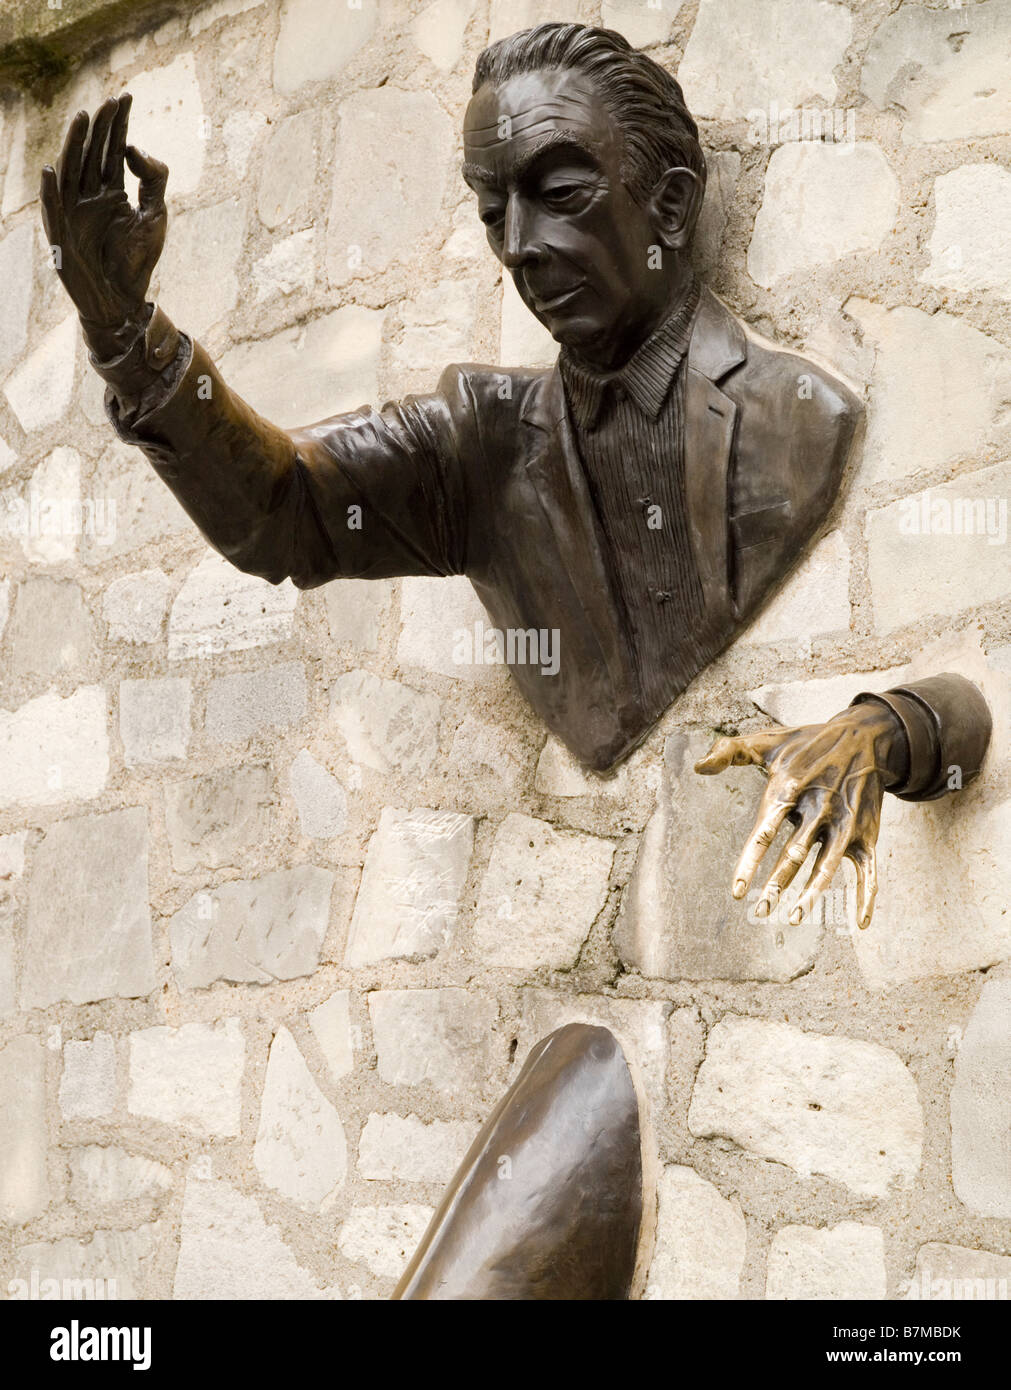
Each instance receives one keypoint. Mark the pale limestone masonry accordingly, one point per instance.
(300, 1150)
(404, 1147)
(844, 1261)
(816, 1103)
(88, 1081)
(188, 1076)
(967, 249)
(88, 928)
(980, 1105)
(290, 884)
(254, 931)
(409, 899)
(383, 1238)
(822, 202)
(745, 53)
(700, 1240)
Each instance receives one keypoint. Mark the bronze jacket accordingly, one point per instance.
(483, 478)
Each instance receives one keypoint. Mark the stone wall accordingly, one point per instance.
(287, 892)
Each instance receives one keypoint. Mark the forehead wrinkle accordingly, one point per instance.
(547, 109)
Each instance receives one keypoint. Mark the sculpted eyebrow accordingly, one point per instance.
(553, 140)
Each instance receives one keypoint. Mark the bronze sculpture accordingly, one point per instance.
(548, 1202)
(642, 499)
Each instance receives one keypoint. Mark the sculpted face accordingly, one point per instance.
(544, 156)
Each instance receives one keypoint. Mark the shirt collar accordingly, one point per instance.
(648, 374)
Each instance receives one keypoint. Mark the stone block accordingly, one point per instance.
(387, 726)
(313, 371)
(88, 932)
(937, 393)
(300, 1149)
(16, 256)
(212, 820)
(254, 931)
(317, 40)
(228, 1251)
(190, 1077)
(442, 626)
(402, 1148)
(409, 898)
(50, 630)
(815, 600)
(967, 249)
(374, 222)
(822, 202)
(700, 1240)
(55, 750)
(88, 1083)
(442, 1037)
(744, 54)
(678, 919)
(40, 390)
(133, 606)
(109, 1264)
(24, 1137)
(321, 800)
(197, 273)
(383, 1238)
(934, 539)
(331, 1027)
(981, 1105)
(288, 171)
(220, 609)
(943, 70)
(167, 118)
(827, 1262)
(540, 895)
(154, 720)
(106, 1175)
(249, 702)
(817, 1103)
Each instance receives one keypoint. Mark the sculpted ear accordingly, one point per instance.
(675, 204)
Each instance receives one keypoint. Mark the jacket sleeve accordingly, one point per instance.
(947, 724)
(368, 494)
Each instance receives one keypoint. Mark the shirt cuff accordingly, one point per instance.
(948, 725)
(143, 371)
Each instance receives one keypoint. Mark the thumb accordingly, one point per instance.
(153, 176)
(742, 750)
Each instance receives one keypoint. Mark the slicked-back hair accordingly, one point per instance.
(645, 101)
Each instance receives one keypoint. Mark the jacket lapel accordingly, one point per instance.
(555, 469)
(718, 346)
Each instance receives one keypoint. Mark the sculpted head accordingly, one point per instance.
(589, 177)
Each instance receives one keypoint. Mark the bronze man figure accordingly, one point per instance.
(642, 499)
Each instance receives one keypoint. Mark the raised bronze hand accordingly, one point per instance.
(107, 249)
(828, 781)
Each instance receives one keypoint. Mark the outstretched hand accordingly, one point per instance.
(107, 249)
(828, 782)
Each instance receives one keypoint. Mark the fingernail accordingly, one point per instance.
(762, 910)
(739, 887)
(796, 916)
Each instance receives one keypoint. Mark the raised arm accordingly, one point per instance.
(367, 494)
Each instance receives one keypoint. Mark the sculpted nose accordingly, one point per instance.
(518, 245)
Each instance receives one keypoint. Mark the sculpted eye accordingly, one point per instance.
(492, 217)
(562, 196)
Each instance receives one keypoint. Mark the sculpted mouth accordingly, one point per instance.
(554, 300)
